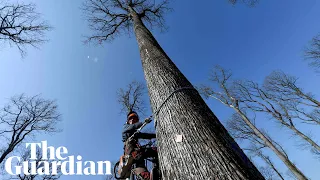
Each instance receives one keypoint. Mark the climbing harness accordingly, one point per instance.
(167, 98)
(125, 163)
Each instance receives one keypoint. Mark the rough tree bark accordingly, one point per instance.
(207, 151)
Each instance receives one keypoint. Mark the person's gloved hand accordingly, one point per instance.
(148, 120)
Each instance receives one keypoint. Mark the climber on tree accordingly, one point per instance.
(132, 153)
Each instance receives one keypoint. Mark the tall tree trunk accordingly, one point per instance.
(207, 151)
(267, 142)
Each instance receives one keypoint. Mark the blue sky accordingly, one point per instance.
(84, 79)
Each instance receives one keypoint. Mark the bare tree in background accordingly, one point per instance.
(132, 98)
(241, 131)
(268, 173)
(207, 149)
(259, 99)
(285, 88)
(24, 117)
(26, 157)
(300, 105)
(242, 126)
(312, 52)
(21, 25)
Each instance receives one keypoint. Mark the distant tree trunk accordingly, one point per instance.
(276, 170)
(268, 161)
(280, 154)
(207, 150)
(305, 137)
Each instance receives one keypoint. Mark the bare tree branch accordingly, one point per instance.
(285, 87)
(268, 173)
(110, 18)
(312, 53)
(21, 25)
(24, 117)
(250, 3)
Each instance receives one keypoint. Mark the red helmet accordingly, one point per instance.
(132, 116)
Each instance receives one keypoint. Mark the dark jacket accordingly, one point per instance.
(129, 129)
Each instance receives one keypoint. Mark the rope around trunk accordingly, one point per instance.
(159, 108)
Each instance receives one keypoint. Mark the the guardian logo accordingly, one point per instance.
(54, 161)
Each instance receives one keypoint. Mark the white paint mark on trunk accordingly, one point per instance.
(147, 54)
(179, 138)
